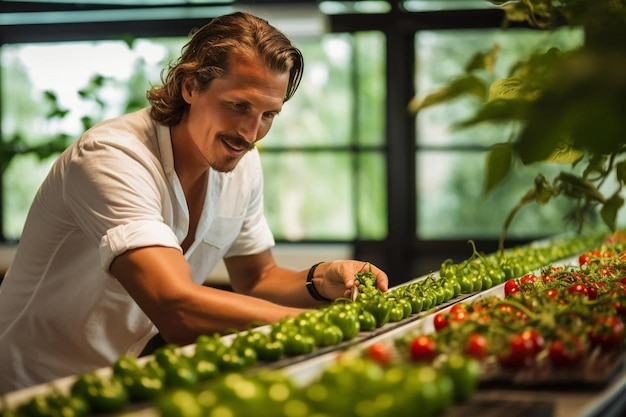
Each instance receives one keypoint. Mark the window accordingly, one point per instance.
(451, 163)
(344, 162)
(53, 91)
(323, 158)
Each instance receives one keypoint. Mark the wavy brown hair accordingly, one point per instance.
(206, 57)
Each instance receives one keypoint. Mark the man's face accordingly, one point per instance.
(226, 120)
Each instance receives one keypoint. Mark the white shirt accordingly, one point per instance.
(61, 312)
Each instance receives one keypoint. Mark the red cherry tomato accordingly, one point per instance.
(476, 346)
(423, 349)
(511, 287)
(379, 352)
(440, 321)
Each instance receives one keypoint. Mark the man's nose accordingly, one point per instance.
(249, 128)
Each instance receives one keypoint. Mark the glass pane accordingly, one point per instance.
(433, 5)
(442, 56)
(371, 195)
(341, 96)
(80, 84)
(309, 195)
(318, 114)
(450, 203)
(355, 6)
(369, 57)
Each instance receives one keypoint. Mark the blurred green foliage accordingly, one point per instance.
(566, 107)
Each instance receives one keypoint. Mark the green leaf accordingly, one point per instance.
(544, 132)
(506, 88)
(468, 84)
(564, 154)
(50, 95)
(500, 110)
(498, 165)
(610, 208)
(484, 61)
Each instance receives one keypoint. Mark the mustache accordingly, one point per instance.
(237, 142)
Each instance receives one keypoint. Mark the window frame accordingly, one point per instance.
(402, 254)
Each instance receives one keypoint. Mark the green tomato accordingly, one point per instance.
(105, 394)
(487, 282)
(347, 321)
(367, 321)
(440, 295)
(428, 301)
(380, 308)
(145, 383)
(422, 390)
(396, 314)
(271, 350)
(298, 344)
(455, 285)
(210, 348)
(206, 370)
(231, 361)
(466, 284)
(477, 282)
(417, 302)
(448, 291)
(37, 406)
(180, 403)
(497, 276)
(407, 310)
(465, 374)
(182, 375)
(249, 355)
(328, 334)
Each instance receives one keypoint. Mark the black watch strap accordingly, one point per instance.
(311, 287)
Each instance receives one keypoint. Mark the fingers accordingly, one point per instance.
(382, 281)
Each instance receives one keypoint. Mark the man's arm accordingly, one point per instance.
(260, 276)
(159, 280)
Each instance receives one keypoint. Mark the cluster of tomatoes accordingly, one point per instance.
(565, 317)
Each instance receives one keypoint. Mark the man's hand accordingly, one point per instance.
(335, 279)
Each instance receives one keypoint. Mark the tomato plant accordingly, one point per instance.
(607, 332)
(520, 352)
(568, 350)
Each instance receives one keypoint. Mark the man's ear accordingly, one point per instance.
(188, 87)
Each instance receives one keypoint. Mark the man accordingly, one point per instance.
(133, 217)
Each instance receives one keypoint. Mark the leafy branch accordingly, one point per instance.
(567, 108)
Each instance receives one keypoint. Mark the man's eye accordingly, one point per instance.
(270, 116)
(242, 107)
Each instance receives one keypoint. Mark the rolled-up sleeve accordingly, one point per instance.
(118, 195)
(134, 235)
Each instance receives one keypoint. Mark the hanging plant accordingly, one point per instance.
(567, 107)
